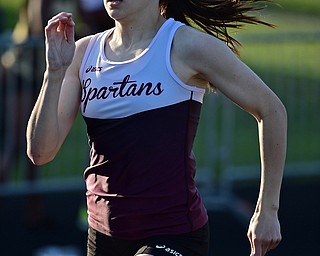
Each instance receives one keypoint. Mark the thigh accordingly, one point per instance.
(195, 243)
(99, 244)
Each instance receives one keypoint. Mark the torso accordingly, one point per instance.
(141, 121)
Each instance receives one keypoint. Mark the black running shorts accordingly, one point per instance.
(195, 243)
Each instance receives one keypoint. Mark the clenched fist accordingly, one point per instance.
(60, 42)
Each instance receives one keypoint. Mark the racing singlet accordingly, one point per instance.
(141, 122)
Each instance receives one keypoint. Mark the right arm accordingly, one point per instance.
(58, 103)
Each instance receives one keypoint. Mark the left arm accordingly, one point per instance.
(214, 62)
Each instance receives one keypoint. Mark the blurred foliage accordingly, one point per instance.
(299, 6)
(11, 11)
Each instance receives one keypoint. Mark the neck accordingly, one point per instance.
(128, 32)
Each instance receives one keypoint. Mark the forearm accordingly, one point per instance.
(273, 139)
(43, 126)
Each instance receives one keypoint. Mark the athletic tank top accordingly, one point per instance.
(141, 122)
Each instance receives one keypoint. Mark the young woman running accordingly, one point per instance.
(140, 88)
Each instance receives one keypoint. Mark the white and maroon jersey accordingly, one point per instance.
(141, 123)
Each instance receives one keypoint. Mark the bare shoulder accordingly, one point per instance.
(195, 42)
(81, 46)
(200, 51)
(201, 55)
(83, 42)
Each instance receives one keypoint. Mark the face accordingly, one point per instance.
(120, 9)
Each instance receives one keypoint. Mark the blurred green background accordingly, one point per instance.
(286, 58)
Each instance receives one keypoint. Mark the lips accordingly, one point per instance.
(114, 1)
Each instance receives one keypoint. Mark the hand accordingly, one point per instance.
(60, 42)
(263, 233)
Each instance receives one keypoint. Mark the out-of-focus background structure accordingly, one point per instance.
(42, 209)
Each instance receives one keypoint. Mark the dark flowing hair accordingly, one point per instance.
(215, 17)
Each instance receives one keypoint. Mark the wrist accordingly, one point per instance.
(55, 74)
(56, 70)
(266, 207)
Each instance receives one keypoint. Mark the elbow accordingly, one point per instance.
(37, 158)
(276, 111)
(280, 112)
(39, 153)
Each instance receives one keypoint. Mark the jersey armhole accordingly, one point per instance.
(89, 48)
(198, 91)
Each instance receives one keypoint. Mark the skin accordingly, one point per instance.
(136, 24)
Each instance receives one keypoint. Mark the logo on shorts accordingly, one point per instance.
(169, 250)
